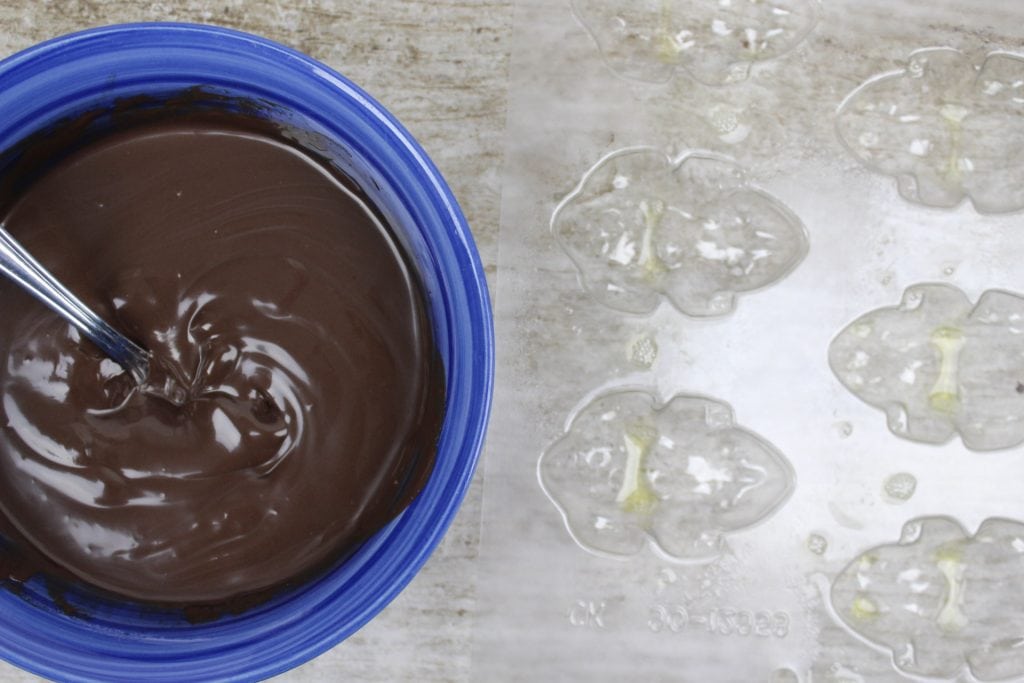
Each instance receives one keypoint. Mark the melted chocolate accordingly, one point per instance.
(295, 399)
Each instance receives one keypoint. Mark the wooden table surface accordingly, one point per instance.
(440, 66)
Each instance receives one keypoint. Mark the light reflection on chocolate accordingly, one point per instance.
(295, 399)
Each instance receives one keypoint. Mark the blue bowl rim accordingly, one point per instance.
(475, 404)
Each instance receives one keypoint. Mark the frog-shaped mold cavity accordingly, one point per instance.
(940, 599)
(641, 226)
(939, 366)
(679, 476)
(714, 41)
(946, 127)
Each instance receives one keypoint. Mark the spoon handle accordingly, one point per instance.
(19, 265)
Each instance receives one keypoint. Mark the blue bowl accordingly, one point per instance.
(123, 641)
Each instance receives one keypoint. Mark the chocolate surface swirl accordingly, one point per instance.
(295, 400)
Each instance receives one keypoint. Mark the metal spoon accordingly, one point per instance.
(19, 265)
